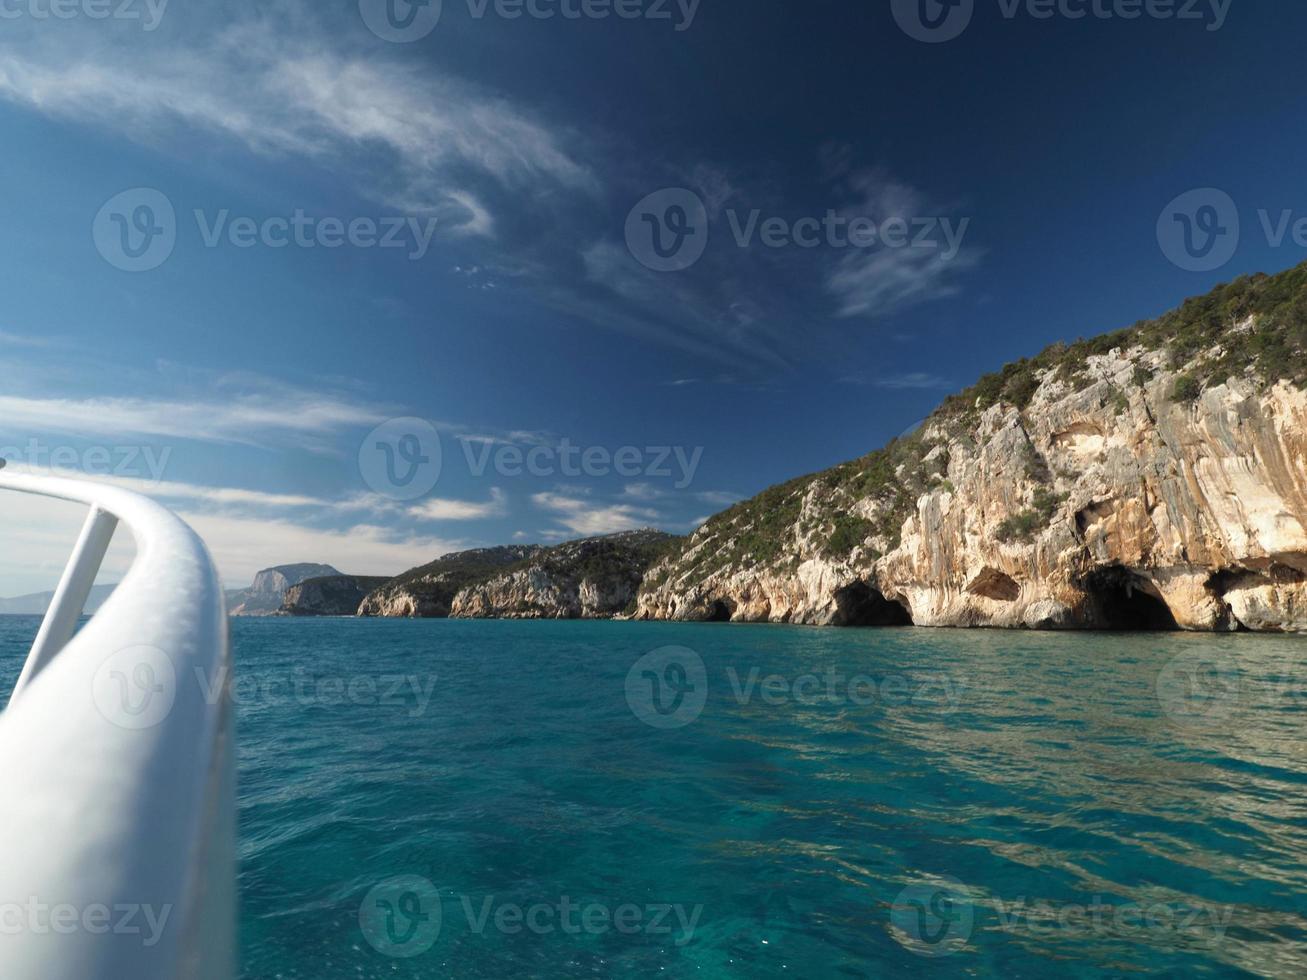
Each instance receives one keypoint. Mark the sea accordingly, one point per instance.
(499, 799)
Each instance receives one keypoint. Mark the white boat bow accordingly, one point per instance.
(117, 818)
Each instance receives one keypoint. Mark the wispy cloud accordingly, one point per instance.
(172, 490)
(584, 517)
(242, 546)
(649, 492)
(901, 382)
(722, 498)
(240, 418)
(282, 85)
(439, 509)
(539, 201)
(245, 530)
(879, 281)
(9, 339)
(39, 533)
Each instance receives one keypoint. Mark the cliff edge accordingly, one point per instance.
(1151, 478)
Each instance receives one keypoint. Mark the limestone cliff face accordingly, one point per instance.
(429, 590)
(332, 595)
(265, 595)
(1202, 506)
(1121, 495)
(589, 579)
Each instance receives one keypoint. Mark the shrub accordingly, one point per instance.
(1187, 388)
(1020, 527)
(850, 532)
(1024, 525)
(1035, 465)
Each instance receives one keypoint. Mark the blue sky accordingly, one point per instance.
(238, 378)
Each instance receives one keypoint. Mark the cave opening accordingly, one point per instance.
(860, 604)
(719, 612)
(1128, 603)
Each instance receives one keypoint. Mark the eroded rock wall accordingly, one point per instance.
(1104, 503)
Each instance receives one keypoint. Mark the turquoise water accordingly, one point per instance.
(806, 803)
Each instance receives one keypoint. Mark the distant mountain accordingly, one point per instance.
(265, 595)
(38, 602)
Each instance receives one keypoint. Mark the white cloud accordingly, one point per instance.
(39, 535)
(439, 509)
(649, 492)
(901, 382)
(172, 490)
(242, 546)
(23, 340)
(284, 88)
(480, 222)
(722, 498)
(882, 280)
(642, 491)
(237, 418)
(585, 518)
(913, 379)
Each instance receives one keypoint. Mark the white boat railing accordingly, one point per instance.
(117, 788)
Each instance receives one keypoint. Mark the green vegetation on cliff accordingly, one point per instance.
(614, 558)
(601, 558)
(1273, 345)
(330, 595)
(436, 583)
(1255, 326)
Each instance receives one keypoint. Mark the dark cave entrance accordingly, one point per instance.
(1124, 601)
(719, 612)
(859, 604)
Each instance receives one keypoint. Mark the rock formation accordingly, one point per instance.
(589, 579)
(265, 595)
(1152, 478)
(429, 590)
(331, 595)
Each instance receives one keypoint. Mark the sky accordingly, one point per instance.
(359, 282)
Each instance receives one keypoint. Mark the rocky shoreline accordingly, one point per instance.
(1155, 478)
(1151, 479)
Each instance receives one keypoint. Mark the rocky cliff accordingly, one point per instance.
(265, 595)
(1151, 478)
(589, 579)
(331, 595)
(429, 590)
